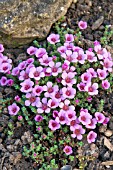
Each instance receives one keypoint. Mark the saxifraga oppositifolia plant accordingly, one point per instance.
(56, 86)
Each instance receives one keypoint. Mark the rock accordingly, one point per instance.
(27, 138)
(22, 21)
(10, 148)
(108, 144)
(4, 168)
(103, 128)
(67, 167)
(97, 23)
(108, 133)
(74, 1)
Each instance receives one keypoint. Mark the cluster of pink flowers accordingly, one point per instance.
(62, 84)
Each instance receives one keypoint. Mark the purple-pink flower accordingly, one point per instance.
(99, 117)
(69, 38)
(53, 38)
(61, 118)
(91, 56)
(68, 92)
(40, 52)
(31, 99)
(85, 117)
(102, 74)
(50, 89)
(105, 84)
(86, 77)
(91, 137)
(78, 132)
(31, 50)
(13, 109)
(37, 90)
(68, 79)
(43, 106)
(68, 150)
(82, 25)
(26, 86)
(1, 48)
(3, 81)
(38, 118)
(53, 125)
(36, 73)
(55, 68)
(92, 89)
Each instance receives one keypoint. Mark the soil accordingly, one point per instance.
(98, 14)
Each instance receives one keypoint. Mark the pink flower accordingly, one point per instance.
(53, 125)
(68, 150)
(40, 52)
(30, 61)
(22, 65)
(61, 49)
(106, 120)
(105, 84)
(58, 95)
(91, 88)
(3, 81)
(68, 92)
(53, 38)
(73, 124)
(53, 103)
(76, 49)
(5, 67)
(79, 57)
(31, 50)
(65, 66)
(43, 107)
(81, 86)
(89, 99)
(91, 56)
(68, 56)
(32, 99)
(55, 68)
(36, 73)
(107, 64)
(69, 38)
(13, 109)
(24, 75)
(82, 25)
(92, 124)
(71, 115)
(96, 43)
(85, 117)
(50, 89)
(77, 101)
(26, 86)
(38, 118)
(55, 113)
(86, 77)
(15, 71)
(68, 79)
(102, 74)
(45, 60)
(20, 117)
(69, 46)
(61, 118)
(10, 82)
(91, 137)
(1, 48)
(99, 117)
(78, 131)
(92, 72)
(37, 90)
(65, 105)
(17, 98)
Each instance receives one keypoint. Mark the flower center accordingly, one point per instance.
(70, 115)
(68, 80)
(68, 93)
(72, 123)
(79, 57)
(14, 109)
(36, 73)
(27, 87)
(77, 131)
(65, 107)
(44, 106)
(90, 89)
(54, 69)
(90, 57)
(53, 39)
(50, 90)
(83, 118)
(54, 124)
(61, 118)
(32, 99)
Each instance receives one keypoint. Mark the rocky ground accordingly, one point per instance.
(98, 156)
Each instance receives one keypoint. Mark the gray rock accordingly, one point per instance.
(21, 21)
(66, 167)
(97, 23)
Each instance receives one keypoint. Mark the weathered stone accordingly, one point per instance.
(21, 21)
(97, 23)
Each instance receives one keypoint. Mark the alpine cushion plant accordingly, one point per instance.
(57, 84)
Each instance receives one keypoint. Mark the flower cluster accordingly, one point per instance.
(53, 84)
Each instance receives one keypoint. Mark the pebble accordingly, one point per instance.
(10, 148)
(67, 167)
(93, 147)
(107, 155)
(103, 128)
(4, 168)
(74, 1)
(97, 23)
(108, 133)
